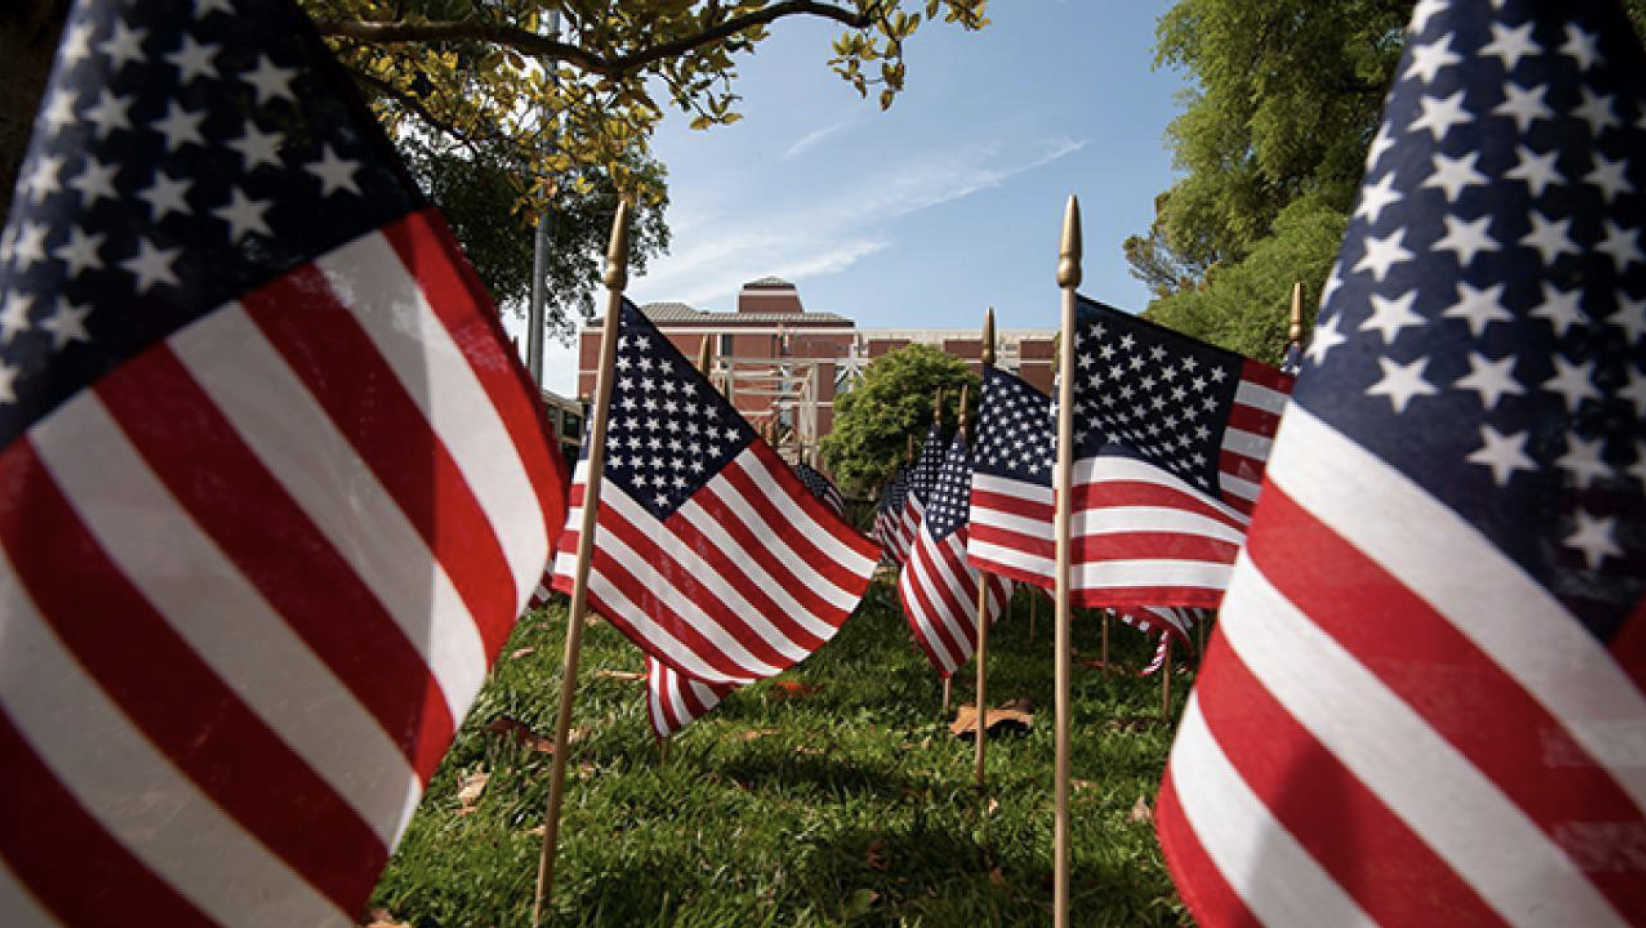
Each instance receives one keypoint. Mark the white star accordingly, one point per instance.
(96, 183)
(1560, 308)
(1325, 339)
(14, 316)
(123, 45)
(1630, 316)
(1524, 106)
(1510, 45)
(1390, 316)
(1635, 393)
(1493, 380)
(1574, 382)
(1421, 14)
(1550, 238)
(1334, 280)
(152, 265)
(1609, 177)
(79, 252)
(1466, 238)
(108, 114)
(335, 173)
(28, 246)
(42, 179)
(58, 111)
(270, 82)
(165, 195)
(1584, 46)
(1597, 112)
(1427, 60)
(1621, 245)
(1582, 460)
(1381, 143)
(244, 215)
(67, 323)
(180, 126)
(1401, 383)
(1594, 537)
(193, 60)
(1454, 174)
(8, 382)
(1439, 116)
(1478, 307)
(202, 7)
(1504, 454)
(1538, 171)
(76, 45)
(1383, 253)
(1374, 197)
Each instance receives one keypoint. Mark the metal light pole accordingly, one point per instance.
(540, 267)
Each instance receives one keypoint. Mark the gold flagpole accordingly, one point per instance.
(617, 277)
(987, 357)
(1294, 333)
(1068, 278)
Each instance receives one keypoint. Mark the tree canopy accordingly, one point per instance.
(892, 403)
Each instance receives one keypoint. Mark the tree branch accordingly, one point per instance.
(389, 33)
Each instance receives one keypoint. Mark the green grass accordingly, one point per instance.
(857, 807)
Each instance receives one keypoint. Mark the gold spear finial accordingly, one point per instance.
(987, 354)
(705, 356)
(1295, 333)
(1068, 258)
(937, 407)
(617, 254)
(908, 452)
(965, 394)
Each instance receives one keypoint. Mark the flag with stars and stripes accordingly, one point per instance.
(275, 488)
(1171, 435)
(674, 700)
(922, 475)
(1012, 503)
(888, 518)
(1167, 620)
(709, 553)
(937, 586)
(821, 487)
(1424, 701)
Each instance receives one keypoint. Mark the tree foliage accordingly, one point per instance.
(892, 403)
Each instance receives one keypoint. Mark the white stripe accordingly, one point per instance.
(1272, 873)
(771, 537)
(19, 908)
(1017, 489)
(224, 619)
(788, 507)
(1119, 520)
(683, 554)
(654, 689)
(1443, 798)
(1103, 575)
(989, 553)
(1261, 397)
(1247, 444)
(1106, 468)
(1235, 486)
(132, 790)
(294, 438)
(916, 576)
(1448, 563)
(371, 281)
(709, 698)
(1037, 529)
(961, 583)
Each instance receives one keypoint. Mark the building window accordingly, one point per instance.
(725, 350)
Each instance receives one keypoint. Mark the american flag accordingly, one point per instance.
(710, 554)
(1162, 648)
(1170, 438)
(1424, 703)
(1172, 620)
(821, 487)
(674, 700)
(275, 487)
(938, 587)
(1012, 505)
(922, 475)
(888, 519)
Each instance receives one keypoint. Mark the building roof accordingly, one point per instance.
(681, 314)
(770, 282)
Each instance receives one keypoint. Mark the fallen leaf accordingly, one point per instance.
(1080, 785)
(792, 689)
(1140, 812)
(468, 794)
(1018, 704)
(518, 653)
(538, 831)
(996, 721)
(380, 918)
(998, 877)
(994, 806)
(520, 731)
(627, 676)
(877, 855)
(755, 734)
(811, 751)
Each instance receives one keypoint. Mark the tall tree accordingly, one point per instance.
(891, 404)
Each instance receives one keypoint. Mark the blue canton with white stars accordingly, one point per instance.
(174, 165)
(924, 472)
(896, 491)
(819, 486)
(1483, 329)
(669, 431)
(951, 500)
(1145, 391)
(1014, 430)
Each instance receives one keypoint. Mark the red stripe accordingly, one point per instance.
(779, 527)
(1152, 546)
(621, 619)
(431, 256)
(929, 555)
(1239, 465)
(178, 430)
(1015, 506)
(1458, 690)
(52, 845)
(189, 715)
(1368, 851)
(325, 345)
(1265, 376)
(748, 545)
(685, 585)
(1629, 645)
(820, 513)
(1254, 420)
(1108, 494)
(918, 603)
(1199, 881)
(915, 604)
(1116, 597)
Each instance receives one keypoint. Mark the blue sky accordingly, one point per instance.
(924, 215)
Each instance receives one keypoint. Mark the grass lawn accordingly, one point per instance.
(851, 805)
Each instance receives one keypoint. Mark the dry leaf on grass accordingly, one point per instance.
(997, 876)
(876, 858)
(755, 734)
(380, 918)
(1140, 812)
(996, 721)
(792, 689)
(520, 731)
(468, 794)
(518, 653)
(627, 676)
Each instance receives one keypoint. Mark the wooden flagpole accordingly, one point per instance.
(987, 357)
(1294, 332)
(617, 277)
(1068, 278)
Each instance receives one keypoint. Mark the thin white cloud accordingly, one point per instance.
(812, 138)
